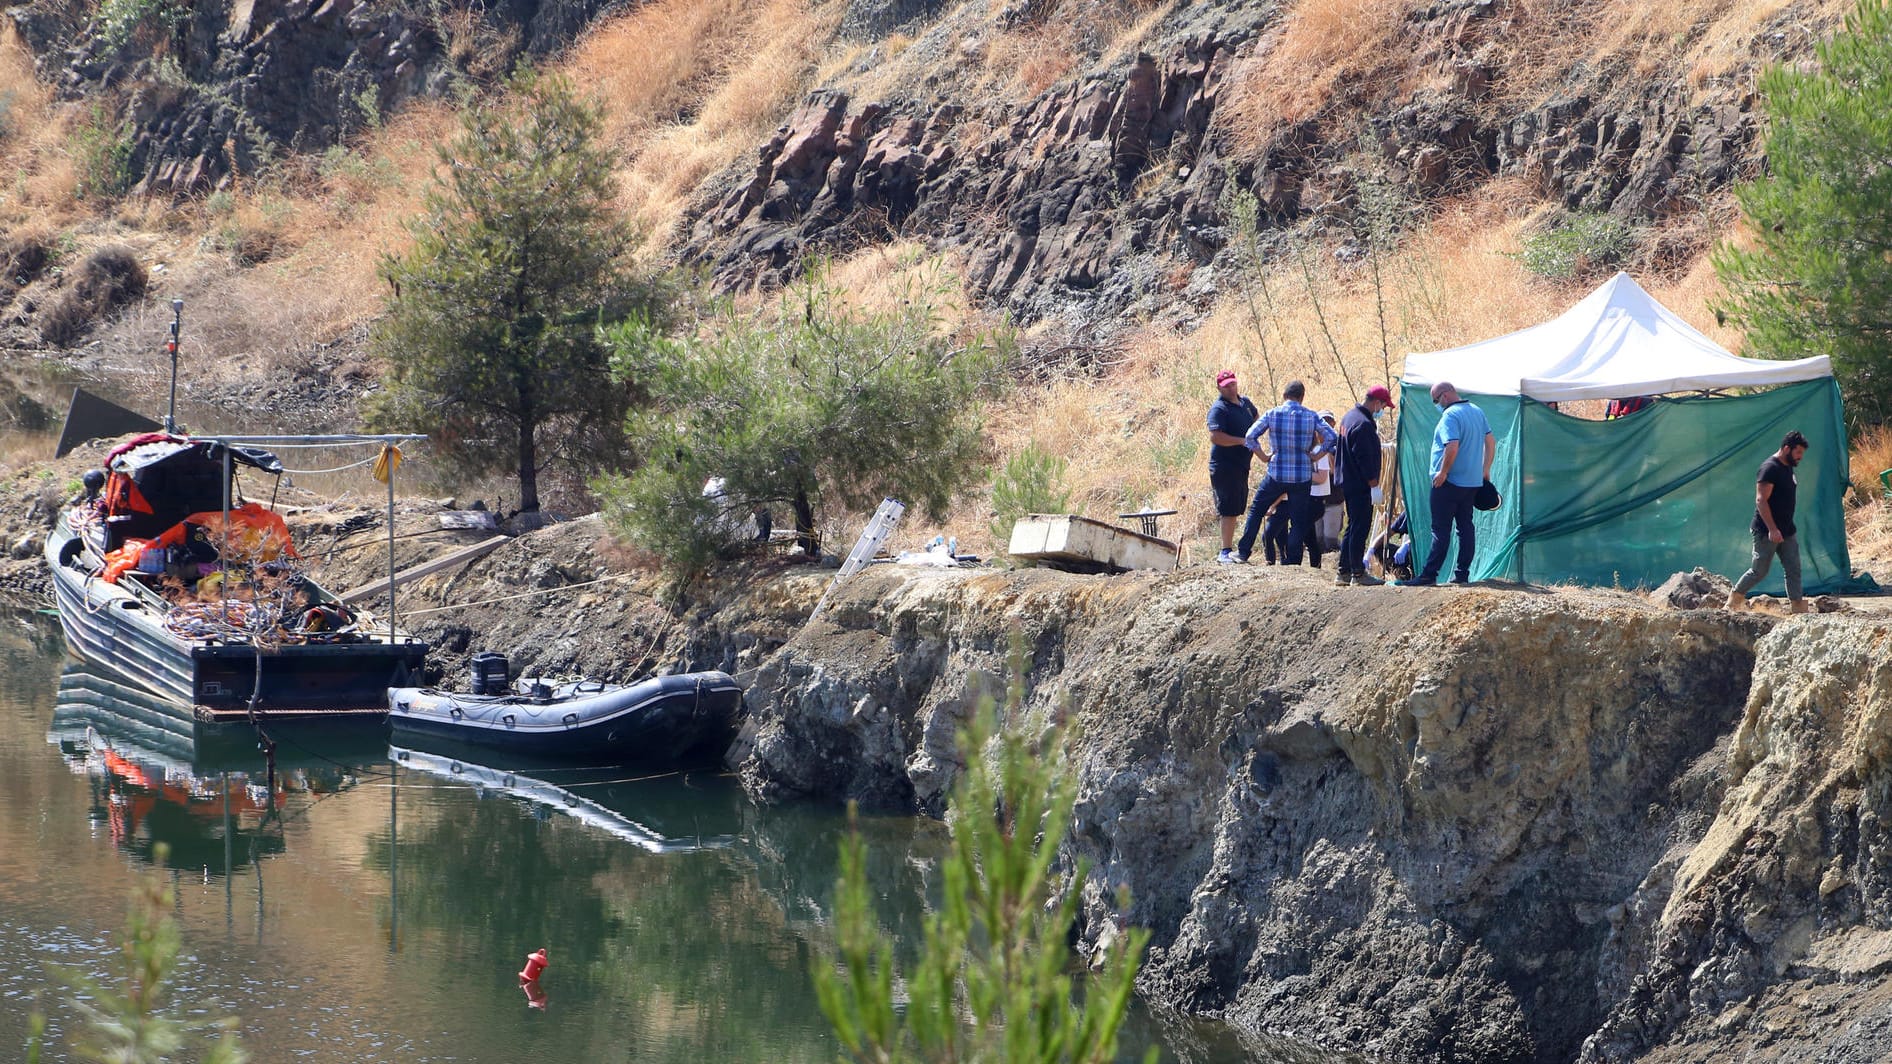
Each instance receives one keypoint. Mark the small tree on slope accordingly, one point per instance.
(491, 334)
(1818, 278)
(808, 406)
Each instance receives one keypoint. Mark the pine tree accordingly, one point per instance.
(1818, 278)
(491, 335)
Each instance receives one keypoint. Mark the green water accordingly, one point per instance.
(379, 910)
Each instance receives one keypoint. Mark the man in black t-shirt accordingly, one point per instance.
(1773, 527)
(1229, 418)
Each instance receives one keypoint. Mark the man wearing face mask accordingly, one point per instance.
(1462, 450)
(1360, 483)
(1773, 527)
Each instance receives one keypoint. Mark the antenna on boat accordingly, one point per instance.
(177, 320)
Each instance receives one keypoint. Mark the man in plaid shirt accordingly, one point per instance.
(1299, 436)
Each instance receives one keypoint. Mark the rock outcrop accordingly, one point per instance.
(225, 88)
(1108, 191)
(1482, 826)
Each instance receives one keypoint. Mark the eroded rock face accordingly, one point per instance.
(1107, 191)
(1777, 928)
(1437, 827)
(241, 83)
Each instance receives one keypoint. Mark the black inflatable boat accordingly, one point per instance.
(664, 718)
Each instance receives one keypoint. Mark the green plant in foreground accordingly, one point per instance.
(1031, 482)
(993, 980)
(125, 1022)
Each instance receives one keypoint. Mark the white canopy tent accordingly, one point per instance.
(1632, 500)
(1617, 342)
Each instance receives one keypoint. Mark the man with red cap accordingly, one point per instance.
(1229, 418)
(1359, 469)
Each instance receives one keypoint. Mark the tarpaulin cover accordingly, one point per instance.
(1632, 501)
(1617, 343)
(256, 534)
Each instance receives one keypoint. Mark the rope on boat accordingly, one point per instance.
(337, 469)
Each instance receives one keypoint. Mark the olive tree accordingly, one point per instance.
(810, 406)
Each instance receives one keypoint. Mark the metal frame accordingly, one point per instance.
(339, 440)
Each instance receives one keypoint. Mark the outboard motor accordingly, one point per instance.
(93, 482)
(490, 673)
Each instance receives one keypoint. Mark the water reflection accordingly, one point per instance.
(642, 810)
(158, 776)
(378, 905)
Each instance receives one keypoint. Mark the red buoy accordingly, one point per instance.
(535, 963)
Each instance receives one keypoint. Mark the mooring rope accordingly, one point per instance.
(520, 595)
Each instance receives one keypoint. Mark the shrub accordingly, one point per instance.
(1031, 482)
(108, 279)
(101, 149)
(1578, 247)
(810, 406)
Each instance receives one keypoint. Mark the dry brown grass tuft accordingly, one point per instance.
(754, 74)
(1871, 455)
(41, 178)
(1306, 64)
(652, 65)
(1297, 70)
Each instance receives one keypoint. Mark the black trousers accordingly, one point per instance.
(1451, 505)
(1359, 522)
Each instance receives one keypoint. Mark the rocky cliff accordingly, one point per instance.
(1107, 192)
(205, 91)
(1428, 825)
(1431, 826)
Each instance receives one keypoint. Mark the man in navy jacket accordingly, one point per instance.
(1359, 469)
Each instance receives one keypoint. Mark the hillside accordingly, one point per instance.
(1417, 175)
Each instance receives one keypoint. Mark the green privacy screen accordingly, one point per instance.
(1631, 502)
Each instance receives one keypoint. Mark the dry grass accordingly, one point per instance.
(756, 78)
(1298, 69)
(41, 177)
(652, 66)
(1871, 455)
(1306, 65)
(1134, 437)
(1547, 39)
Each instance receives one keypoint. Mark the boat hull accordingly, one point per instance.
(666, 718)
(109, 627)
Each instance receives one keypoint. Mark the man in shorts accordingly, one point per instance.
(1229, 418)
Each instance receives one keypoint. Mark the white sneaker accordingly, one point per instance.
(1227, 557)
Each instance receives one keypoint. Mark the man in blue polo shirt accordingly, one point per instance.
(1298, 436)
(1462, 450)
(1229, 418)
